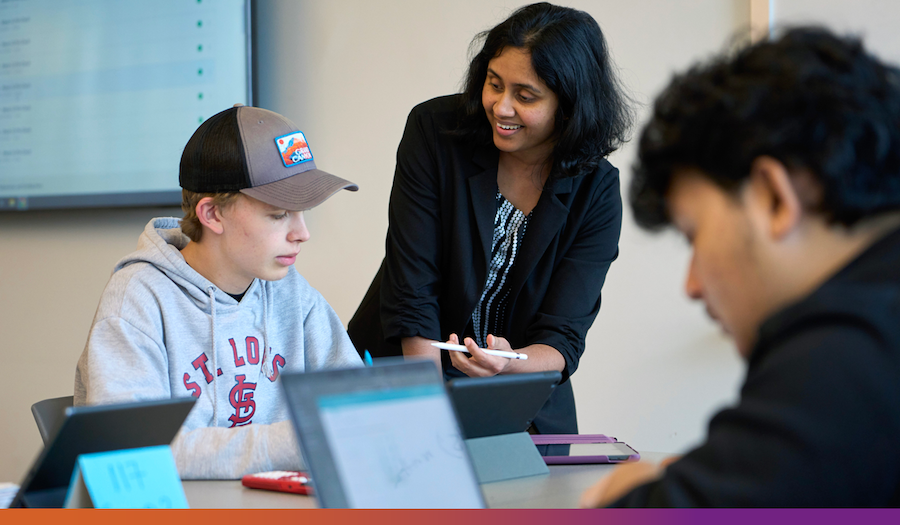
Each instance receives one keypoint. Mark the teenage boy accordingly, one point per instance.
(781, 166)
(212, 307)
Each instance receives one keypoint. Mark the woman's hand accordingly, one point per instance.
(480, 364)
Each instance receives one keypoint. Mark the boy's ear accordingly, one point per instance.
(775, 195)
(210, 215)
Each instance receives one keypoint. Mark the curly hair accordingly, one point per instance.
(190, 224)
(812, 100)
(570, 55)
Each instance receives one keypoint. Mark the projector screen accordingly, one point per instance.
(99, 97)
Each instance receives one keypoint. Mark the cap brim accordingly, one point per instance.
(302, 191)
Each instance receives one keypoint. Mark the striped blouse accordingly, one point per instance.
(490, 312)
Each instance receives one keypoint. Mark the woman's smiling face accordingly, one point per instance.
(519, 106)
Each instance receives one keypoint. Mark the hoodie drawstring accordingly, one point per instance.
(215, 371)
(266, 370)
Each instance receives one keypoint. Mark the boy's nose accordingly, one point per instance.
(299, 231)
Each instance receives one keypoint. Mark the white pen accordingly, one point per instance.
(498, 353)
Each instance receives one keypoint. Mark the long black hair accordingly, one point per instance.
(569, 54)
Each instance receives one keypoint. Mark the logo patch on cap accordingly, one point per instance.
(293, 148)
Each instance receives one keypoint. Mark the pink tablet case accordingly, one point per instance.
(570, 439)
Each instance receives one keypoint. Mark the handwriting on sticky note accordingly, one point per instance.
(127, 479)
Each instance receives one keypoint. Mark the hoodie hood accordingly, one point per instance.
(160, 245)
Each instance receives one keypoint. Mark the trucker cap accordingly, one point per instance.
(259, 153)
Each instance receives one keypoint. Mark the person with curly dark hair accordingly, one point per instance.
(781, 166)
(505, 214)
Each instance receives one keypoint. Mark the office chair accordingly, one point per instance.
(49, 415)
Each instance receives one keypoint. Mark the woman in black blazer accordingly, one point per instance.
(504, 214)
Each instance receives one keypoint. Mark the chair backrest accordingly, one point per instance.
(49, 415)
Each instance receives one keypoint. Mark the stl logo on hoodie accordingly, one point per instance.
(241, 398)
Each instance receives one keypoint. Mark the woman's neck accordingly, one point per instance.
(520, 182)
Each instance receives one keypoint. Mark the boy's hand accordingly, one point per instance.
(621, 481)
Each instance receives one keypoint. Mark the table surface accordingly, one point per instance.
(558, 490)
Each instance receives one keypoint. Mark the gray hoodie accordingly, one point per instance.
(162, 330)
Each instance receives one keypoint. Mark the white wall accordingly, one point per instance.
(348, 72)
(873, 20)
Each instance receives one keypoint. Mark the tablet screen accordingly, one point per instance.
(398, 448)
(382, 437)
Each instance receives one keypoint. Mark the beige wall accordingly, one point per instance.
(348, 72)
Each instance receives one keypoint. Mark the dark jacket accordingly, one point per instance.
(441, 219)
(818, 421)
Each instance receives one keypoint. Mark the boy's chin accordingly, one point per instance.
(275, 275)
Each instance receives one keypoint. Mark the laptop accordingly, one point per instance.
(98, 429)
(491, 406)
(384, 436)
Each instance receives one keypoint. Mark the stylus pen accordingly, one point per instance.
(498, 353)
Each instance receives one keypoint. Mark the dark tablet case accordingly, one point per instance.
(491, 406)
(98, 429)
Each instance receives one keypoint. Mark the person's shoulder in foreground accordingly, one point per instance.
(781, 165)
(211, 306)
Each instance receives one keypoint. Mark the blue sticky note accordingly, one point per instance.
(139, 478)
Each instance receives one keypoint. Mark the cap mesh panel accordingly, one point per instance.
(212, 161)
